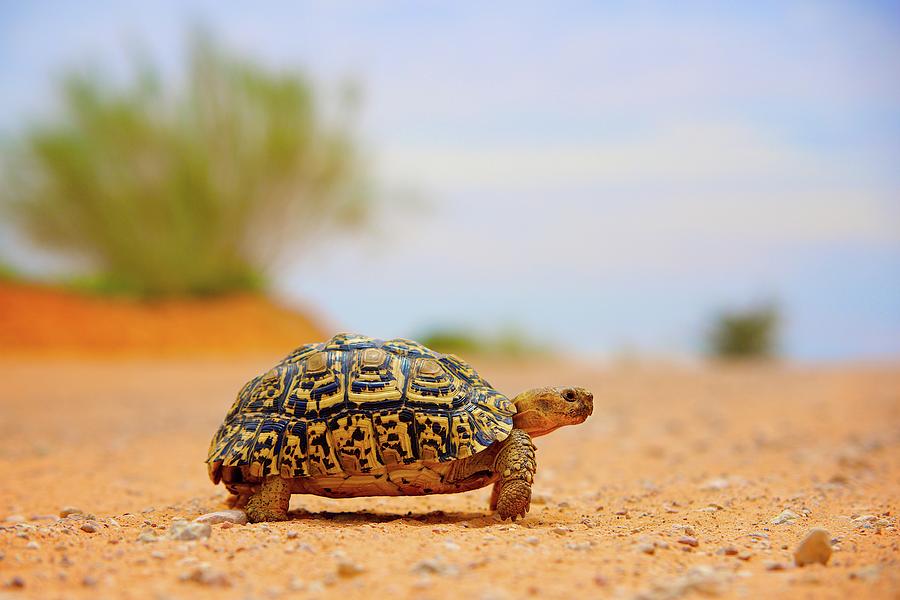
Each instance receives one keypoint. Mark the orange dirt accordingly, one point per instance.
(668, 491)
(43, 320)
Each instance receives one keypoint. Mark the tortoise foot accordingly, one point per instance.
(271, 502)
(514, 499)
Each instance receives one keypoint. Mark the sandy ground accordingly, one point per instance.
(41, 320)
(671, 458)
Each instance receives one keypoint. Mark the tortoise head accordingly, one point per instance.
(542, 410)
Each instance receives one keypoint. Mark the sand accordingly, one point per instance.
(43, 320)
(669, 490)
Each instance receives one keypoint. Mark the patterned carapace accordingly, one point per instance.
(357, 405)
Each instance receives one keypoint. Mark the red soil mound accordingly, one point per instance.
(39, 320)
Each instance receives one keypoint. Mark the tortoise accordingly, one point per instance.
(356, 416)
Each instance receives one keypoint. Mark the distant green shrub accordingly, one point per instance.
(745, 334)
(189, 190)
(453, 341)
(8, 273)
(508, 342)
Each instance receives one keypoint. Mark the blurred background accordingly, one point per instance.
(616, 180)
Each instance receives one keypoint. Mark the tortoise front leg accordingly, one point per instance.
(516, 466)
(271, 502)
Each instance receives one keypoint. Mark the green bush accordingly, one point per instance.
(189, 190)
(745, 334)
(507, 342)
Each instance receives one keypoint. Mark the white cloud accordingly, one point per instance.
(710, 180)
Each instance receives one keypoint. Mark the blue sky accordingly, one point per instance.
(604, 175)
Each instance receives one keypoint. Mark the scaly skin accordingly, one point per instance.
(271, 502)
(515, 465)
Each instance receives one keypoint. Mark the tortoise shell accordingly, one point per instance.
(357, 405)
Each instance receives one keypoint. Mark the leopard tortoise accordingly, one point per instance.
(356, 416)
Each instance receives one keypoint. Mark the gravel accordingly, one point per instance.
(702, 580)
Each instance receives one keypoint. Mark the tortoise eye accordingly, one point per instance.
(569, 395)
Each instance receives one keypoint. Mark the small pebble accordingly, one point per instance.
(147, 535)
(70, 510)
(689, 541)
(730, 551)
(718, 484)
(186, 531)
(579, 546)
(686, 529)
(786, 517)
(774, 565)
(33, 546)
(237, 517)
(296, 584)
(434, 567)
(647, 548)
(348, 568)
(90, 527)
(15, 519)
(204, 574)
(814, 548)
(868, 574)
(532, 540)
(16, 582)
(89, 581)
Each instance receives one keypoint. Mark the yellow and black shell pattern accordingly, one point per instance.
(357, 405)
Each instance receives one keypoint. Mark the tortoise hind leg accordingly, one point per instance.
(238, 501)
(270, 502)
(516, 466)
(495, 495)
